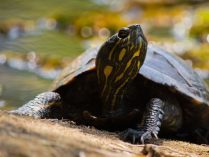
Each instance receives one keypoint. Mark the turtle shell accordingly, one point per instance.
(160, 67)
(169, 70)
(83, 63)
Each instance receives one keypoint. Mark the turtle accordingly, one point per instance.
(128, 85)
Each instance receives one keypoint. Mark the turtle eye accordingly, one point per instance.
(123, 32)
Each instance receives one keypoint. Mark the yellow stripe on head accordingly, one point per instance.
(107, 70)
(122, 54)
(118, 63)
(139, 64)
(111, 52)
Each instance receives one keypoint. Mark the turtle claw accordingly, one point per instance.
(146, 136)
(137, 136)
(155, 135)
(150, 125)
(131, 135)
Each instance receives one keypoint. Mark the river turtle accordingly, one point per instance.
(116, 88)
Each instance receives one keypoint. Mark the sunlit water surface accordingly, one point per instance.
(18, 87)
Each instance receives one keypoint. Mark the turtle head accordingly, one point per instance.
(117, 64)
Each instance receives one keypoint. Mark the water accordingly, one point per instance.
(18, 87)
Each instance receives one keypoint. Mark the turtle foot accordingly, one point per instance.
(138, 136)
(39, 107)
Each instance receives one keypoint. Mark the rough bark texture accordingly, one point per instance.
(24, 137)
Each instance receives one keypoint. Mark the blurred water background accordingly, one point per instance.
(39, 38)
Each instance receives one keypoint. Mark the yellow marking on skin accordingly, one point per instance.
(122, 54)
(117, 91)
(132, 46)
(110, 54)
(129, 62)
(122, 74)
(107, 70)
(119, 77)
(138, 64)
(128, 37)
(128, 65)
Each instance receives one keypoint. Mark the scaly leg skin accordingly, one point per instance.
(39, 106)
(150, 125)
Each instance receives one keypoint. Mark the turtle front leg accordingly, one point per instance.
(150, 125)
(39, 107)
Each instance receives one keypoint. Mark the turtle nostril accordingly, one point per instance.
(123, 32)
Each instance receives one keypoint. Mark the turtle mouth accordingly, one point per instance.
(135, 32)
